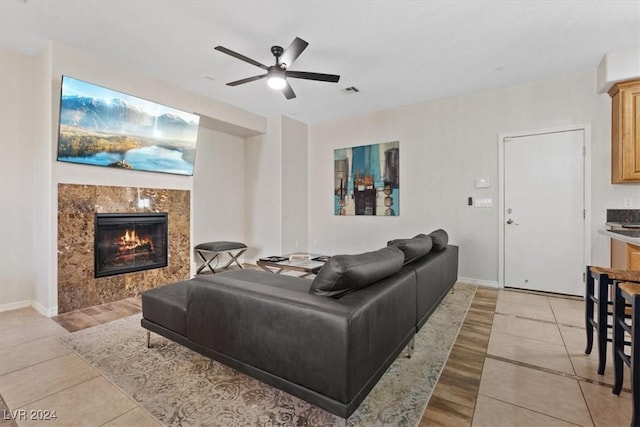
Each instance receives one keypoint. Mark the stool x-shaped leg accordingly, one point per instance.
(207, 262)
(234, 258)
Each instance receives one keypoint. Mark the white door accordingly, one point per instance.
(544, 212)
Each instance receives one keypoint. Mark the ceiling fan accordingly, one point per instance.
(277, 74)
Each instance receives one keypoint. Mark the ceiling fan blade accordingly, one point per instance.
(333, 78)
(288, 92)
(247, 80)
(241, 57)
(293, 51)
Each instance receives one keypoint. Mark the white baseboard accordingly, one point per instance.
(48, 312)
(479, 282)
(15, 305)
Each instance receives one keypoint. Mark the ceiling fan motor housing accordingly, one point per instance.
(277, 52)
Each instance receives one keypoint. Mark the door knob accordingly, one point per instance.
(510, 221)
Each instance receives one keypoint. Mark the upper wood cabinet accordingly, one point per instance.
(625, 132)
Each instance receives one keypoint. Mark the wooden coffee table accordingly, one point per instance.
(280, 264)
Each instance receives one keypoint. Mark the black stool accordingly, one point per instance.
(627, 292)
(216, 248)
(605, 278)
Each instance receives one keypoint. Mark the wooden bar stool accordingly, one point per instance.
(600, 297)
(627, 292)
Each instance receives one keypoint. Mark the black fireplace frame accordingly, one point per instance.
(133, 217)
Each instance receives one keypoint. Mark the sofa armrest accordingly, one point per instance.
(450, 267)
(382, 323)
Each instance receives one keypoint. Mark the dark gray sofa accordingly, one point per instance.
(436, 273)
(326, 340)
(435, 264)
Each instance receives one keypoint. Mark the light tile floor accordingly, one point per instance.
(523, 365)
(536, 373)
(38, 373)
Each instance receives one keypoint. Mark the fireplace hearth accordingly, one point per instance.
(129, 242)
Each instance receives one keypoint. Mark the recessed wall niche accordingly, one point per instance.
(77, 206)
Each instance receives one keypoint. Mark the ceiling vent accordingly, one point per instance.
(351, 90)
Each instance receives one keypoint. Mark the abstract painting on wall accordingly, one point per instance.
(367, 180)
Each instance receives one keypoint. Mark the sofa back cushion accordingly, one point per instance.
(439, 237)
(412, 248)
(343, 274)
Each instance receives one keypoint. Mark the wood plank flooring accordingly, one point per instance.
(454, 398)
(87, 317)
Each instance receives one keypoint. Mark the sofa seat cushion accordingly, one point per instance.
(343, 274)
(263, 278)
(412, 248)
(167, 306)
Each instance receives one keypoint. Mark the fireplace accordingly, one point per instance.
(128, 242)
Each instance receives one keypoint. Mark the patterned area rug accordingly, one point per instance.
(182, 388)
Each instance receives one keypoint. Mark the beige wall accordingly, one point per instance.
(294, 186)
(218, 188)
(446, 144)
(276, 206)
(17, 267)
(263, 210)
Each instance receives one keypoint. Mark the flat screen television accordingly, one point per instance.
(103, 127)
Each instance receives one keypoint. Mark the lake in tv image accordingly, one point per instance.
(103, 127)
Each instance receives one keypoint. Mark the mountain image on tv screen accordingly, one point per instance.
(103, 127)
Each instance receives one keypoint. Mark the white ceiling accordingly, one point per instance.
(395, 52)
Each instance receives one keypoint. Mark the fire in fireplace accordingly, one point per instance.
(128, 242)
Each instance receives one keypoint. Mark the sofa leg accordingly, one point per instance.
(148, 339)
(411, 346)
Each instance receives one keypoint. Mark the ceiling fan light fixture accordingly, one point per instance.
(276, 78)
(276, 82)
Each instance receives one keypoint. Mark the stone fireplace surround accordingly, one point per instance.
(77, 204)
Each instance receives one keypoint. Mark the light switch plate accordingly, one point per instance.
(483, 183)
(484, 203)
